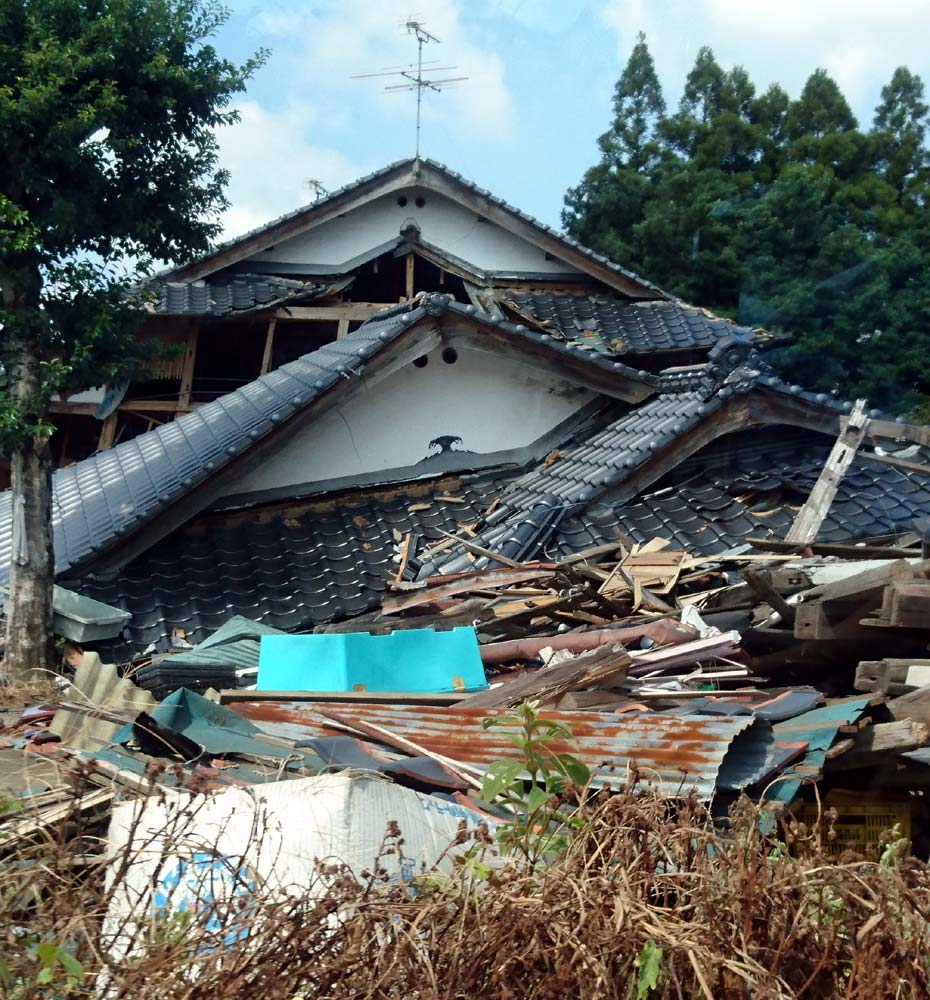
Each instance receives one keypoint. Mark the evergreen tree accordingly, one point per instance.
(602, 210)
(900, 129)
(779, 212)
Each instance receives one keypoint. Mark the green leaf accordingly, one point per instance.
(499, 776)
(537, 798)
(71, 965)
(47, 952)
(6, 977)
(44, 975)
(573, 768)
(648, 962)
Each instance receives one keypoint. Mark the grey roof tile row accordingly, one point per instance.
(241, 293)
(584, 471)
(291, 570)
(749, 494)
(618, 326)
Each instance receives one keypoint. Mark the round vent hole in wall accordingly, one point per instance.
(402, 201)
(421, 362)
(419, 201)
(450, 355)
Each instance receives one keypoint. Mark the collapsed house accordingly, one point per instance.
(520, 368)
(531, 443)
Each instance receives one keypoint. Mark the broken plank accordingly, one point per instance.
(811, 515)
(892, 676)
(764, 589)
(604, 666)
(914, 705)
(479, 550)
(404, 556)
(874, 744)
(488, 579)
(466, 772)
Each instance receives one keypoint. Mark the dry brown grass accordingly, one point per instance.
(35, 688)
(734, 917)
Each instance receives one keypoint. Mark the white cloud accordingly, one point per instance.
(858, 41)
(368, 36)
(271, 161)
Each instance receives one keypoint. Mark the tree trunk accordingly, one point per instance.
(29, 635)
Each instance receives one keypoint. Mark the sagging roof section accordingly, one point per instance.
(241, 293)
(290, 567)
(111, 493)
(618, 326)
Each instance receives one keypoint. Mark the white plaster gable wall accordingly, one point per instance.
(442, 223)
(491, 403)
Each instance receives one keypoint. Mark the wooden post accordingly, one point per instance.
(343, 329)
(811, 515)
(409, 276)
(187, 372)
(107, 432)
(269, 344)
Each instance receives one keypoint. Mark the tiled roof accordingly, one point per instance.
(109, 494)
(292, 569)
(584, 471)
(755, 495)
(618, 326)
(411, 164)
(590, 466)
(329, 559)
(241, 293)
(608, 457)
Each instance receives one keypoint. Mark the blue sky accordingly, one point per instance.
(541, 75)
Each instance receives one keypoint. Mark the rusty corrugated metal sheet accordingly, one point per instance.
(677, 753)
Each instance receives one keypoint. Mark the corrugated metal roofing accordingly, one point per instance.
(818, 729)
(677, 754)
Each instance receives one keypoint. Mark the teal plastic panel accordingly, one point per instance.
(418, 660)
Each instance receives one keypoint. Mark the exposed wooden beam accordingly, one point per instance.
(907, 432)
(269, 344)
(409, 274)
(343, 329)
(107, 433)
(130, 406)
(187, 371)
(811, 515)
(898, 463)
(344, 310)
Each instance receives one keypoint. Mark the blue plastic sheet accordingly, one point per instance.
(416, 660)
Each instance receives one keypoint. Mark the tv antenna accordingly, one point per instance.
(414, 74)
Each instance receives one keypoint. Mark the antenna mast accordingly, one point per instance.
(416, 80)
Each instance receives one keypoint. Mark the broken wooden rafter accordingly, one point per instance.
(811, 515)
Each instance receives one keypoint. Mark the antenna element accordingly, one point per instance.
(415, 80)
